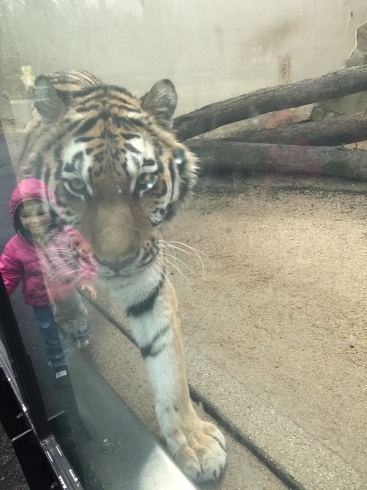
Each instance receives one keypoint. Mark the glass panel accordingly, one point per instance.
(215, 149)
(105, 443)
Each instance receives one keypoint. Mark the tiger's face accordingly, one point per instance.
(118, 172)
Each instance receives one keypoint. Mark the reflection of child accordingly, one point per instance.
(52, 260)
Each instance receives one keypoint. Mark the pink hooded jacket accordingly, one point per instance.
(51, 270)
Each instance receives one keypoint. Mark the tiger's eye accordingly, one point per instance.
(147, 179)
(77, 184)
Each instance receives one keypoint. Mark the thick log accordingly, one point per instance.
(217, 155)
(336, 131)
(330, 86)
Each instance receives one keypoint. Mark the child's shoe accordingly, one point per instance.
(84, 337)
(84, 342)
(61, 377)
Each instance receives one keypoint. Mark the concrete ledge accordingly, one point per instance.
(296, 457)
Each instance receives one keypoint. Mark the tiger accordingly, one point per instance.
(119, 174)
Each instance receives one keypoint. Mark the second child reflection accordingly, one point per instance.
(52, 260)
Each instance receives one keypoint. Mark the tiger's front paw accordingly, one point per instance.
(199, 449)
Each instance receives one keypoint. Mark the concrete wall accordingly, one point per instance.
(210, 49)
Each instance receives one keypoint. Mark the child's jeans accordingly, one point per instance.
(48, 329)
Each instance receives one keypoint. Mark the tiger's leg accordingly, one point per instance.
(197, 446)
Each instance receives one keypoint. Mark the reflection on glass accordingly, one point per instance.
(119, 174)
(51, 260)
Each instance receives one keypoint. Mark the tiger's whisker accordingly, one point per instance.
(173, 255)
(179, 260)
(194, 251)
(178, 270)
(163, 261)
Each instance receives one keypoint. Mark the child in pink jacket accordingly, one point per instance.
(52, 260)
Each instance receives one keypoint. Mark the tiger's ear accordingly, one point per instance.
(46, 100)
(161, 102)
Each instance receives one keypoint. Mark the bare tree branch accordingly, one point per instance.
(330, 86)
(335, 131)
(217, 155)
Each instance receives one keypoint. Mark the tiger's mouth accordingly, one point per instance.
(129, 267)
(117, 266)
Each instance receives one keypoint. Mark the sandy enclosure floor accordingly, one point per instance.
(281, 304)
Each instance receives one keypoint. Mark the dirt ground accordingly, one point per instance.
(279, 301)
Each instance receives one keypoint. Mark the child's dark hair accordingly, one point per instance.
(56, 221)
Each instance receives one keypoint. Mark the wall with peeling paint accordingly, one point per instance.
(210, 49)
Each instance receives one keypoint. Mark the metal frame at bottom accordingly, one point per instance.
(42, 461)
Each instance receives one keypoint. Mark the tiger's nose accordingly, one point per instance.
(116, 266)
